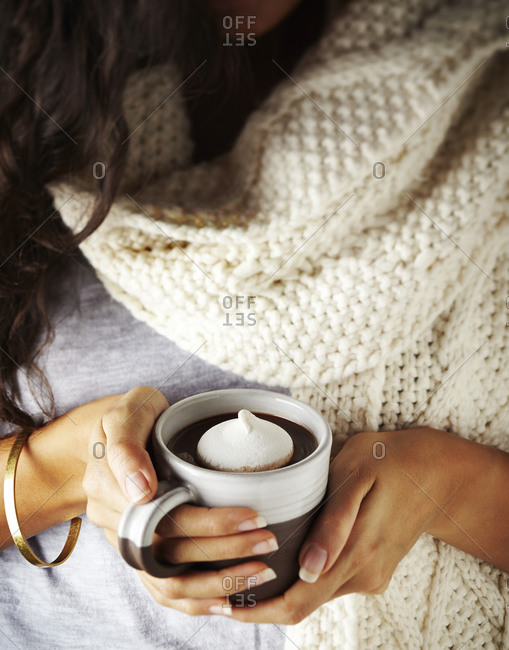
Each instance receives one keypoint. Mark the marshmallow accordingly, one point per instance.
(245, 444)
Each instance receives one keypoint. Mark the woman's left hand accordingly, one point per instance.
(385, 490)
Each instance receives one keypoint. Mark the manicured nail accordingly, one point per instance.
(222, 610)
(312, 563)
(260, 578)
(136, 486)
(252, 524)
(267, 546)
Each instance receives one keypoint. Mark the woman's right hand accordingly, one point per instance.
(120, 470)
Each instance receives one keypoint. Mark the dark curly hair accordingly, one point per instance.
(63, 69)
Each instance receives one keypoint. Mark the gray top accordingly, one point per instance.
(95, 599)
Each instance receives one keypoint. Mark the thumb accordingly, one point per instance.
(333, 525)
(127, 427)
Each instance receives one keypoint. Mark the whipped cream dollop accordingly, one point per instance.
(245, 444)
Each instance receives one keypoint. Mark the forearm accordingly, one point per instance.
(50, 472)
(477, 519)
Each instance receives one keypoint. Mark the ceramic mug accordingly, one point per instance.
(288, 497)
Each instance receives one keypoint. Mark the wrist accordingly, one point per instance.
(60, 450)
(85, 417)
(471, 464)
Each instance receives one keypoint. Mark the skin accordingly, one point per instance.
(377, 507)
(265, 14)
(374, 514)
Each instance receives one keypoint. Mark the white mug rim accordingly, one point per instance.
(323, 441)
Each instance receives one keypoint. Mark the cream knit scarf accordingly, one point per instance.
(353, 247)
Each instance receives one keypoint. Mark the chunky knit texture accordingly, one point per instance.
(381, 301)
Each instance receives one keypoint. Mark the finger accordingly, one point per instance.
(191, 606)
(300, 600)
(197, 521)
(102, 516)
(365, 553)
(111, 537)
(203, 549)
(99, 481)
(197, 606)
(334, 524)
(288, 609)
(127, 427)
(204, 584)
(210, 584)
(188, 543)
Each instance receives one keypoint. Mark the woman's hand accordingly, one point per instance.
(120, 470)
(385, 490)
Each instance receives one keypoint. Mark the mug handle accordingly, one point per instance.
(139, 522)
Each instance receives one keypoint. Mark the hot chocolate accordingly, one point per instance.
(184, 444)
(290, 534)
(287, 496)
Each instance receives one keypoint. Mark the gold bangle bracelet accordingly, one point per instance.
(12, 514)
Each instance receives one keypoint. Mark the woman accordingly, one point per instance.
(62, 123)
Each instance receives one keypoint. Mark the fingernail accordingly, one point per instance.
(312, 563)
(252, 524)
(260, 578)
(267, 546)
(223, 610)
(136, 486)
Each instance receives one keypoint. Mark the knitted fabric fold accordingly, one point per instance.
(354, 247)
